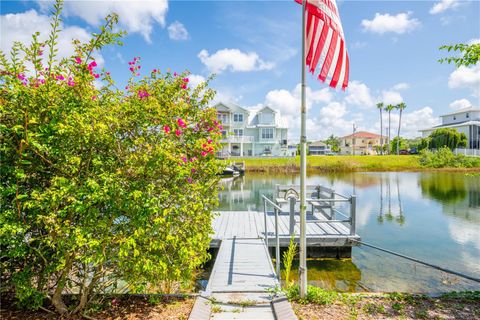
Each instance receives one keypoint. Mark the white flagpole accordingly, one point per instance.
(303, 171)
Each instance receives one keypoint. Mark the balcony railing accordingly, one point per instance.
(238, 139)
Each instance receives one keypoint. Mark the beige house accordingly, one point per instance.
(361, 143)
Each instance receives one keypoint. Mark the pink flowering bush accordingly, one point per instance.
(98, 184)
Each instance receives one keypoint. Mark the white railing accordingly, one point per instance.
(467, 152)
(238, 139)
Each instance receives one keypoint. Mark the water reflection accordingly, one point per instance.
(432, 216)
(331, 274)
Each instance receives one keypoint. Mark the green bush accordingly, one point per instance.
(314, 295)
(447, 137)
(444, 157)
(99, 184)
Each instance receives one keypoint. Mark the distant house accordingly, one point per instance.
(318, 148)
(260, 132)
(360, 143)
(465, 121)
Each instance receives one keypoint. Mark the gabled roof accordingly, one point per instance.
(267, 107)
(469, 109)
(318, 144)
(230, 106)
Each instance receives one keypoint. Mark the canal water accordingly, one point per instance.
(432, 216)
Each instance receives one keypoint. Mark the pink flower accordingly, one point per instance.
(154, 70)
(175, 74)
(132, 69)
(181, 123)
(71, 83)
(142, 94)
(210, 129)
(193, 170)
(96, 75)
(166, 129)
(107, 73)
(94, 98)
(127, 87)
(184, 86)
(185, 80)
(178, 132)
(21, 77)
(209, 141)
(189, 180)
(204, 153)
(184, 159)
(60, 77)
(92, 64)
(78, 60)
(204, 146)
(193, 159)
(40, 52)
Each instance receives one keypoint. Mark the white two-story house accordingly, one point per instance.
(250, 133)
(466, 121)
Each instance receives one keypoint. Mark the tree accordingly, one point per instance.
(470, 54)
(389, 109)
(98, 184)
(334, 143)
(401, 106)
(447, 137)
(380, 108)
(397, 144)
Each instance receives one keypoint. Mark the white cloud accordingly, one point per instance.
(460, 104)
(359, 94)
(443, 6)
(233, 60)
(474, 41)
(466, 77)
(382, 23)
(21, 26)
(177, 31)
(411, 122)
(391, 97)
(195, 80)
(134, 16)
(401, 86)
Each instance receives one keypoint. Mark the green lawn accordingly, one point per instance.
(334, 163)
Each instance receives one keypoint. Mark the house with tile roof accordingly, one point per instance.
(251, 132)
(465, 121)
(361, 143)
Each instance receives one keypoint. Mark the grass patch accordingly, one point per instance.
(347, 164)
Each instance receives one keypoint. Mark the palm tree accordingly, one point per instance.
(400, 107)
(389, 109)
(380, 108)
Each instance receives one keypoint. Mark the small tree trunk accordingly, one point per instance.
(57, 300)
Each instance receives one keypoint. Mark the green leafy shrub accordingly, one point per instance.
(100, 184)
(447, 137)
(444, 157)
(314, 295)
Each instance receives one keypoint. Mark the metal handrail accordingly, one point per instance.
(271, 203)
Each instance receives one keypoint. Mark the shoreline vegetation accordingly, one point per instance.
(334, 164)
(320, 304)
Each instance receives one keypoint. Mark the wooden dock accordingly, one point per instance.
(251, 224)
(242, 265)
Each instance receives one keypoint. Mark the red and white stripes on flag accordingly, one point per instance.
(325, 42)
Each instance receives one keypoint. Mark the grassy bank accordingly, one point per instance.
(322, 304)
(340, 164)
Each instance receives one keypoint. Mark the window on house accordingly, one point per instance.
(224, 133)
(267, 133)
(238, 132)
(238, 117)
(468, 116)
(454, 118)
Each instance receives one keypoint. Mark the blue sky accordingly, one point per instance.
(254, 48)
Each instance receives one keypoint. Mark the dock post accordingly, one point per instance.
(292, 216)
(277, 245)
(353, 213)
(332, 203)
(265, 221)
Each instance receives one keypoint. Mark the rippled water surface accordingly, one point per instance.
(431, 216)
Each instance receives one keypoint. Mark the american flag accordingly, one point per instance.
(325, 42)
